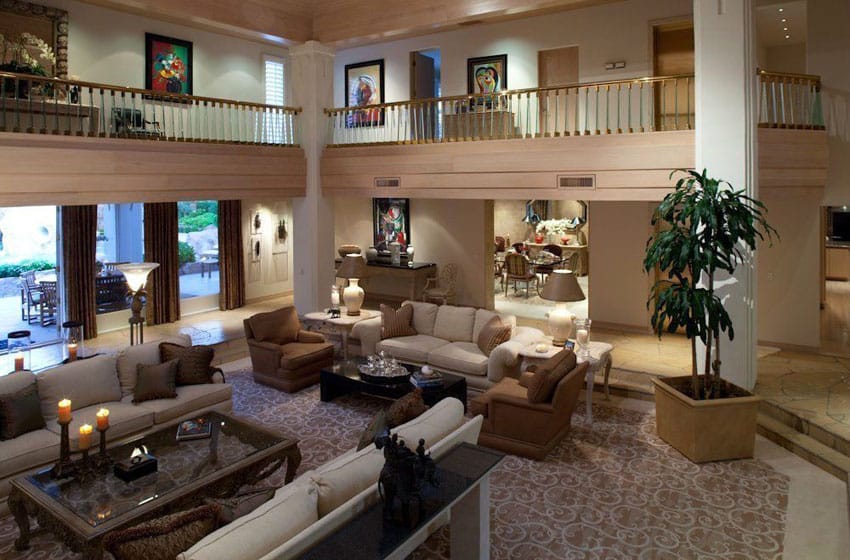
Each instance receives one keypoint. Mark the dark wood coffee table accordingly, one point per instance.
(343, 378)
(80, 514)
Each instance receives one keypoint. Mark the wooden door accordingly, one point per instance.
(422, 86)
(556, 67)
(673, 54)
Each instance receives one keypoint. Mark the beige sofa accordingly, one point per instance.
(446, 339)
(320, 501)
(101, 381)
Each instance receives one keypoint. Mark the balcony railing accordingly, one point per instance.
(617, 107)
(790, 101)
(37, 105)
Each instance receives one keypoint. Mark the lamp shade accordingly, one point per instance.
(562, 285)
(136, 273)
(353, 266)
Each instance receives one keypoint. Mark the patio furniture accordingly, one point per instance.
(49, 302)
(442, 288)
(518, 269)
(130, 122)
(111, 293)
(31, 297)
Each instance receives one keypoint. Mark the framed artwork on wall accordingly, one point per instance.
(168, 64)
(256, 247)
(364, 86)
(487, 74)
(391, 222)
(42, 22)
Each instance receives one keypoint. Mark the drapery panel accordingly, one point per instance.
(231, 253)
(79, 244)
(163, 286)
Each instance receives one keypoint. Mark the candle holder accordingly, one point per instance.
(85, 471)
(65, 468)
(102, 460)
(583, 337)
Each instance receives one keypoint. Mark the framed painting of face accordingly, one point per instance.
(364, 86)
(391, 222)
(168, 64)
(487, 74)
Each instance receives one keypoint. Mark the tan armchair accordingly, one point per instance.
(514, 425)
(282, 354)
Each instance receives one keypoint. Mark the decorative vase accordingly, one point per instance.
(395, 252)
(371, 254)
(353, 296)
(565, 240)
(410, 255)
(538, 238)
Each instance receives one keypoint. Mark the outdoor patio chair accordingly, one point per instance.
(31, 297)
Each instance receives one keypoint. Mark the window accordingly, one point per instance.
(197, 249)
(274, 123)
(119, 240)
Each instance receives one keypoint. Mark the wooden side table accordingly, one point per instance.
(600, 360)
(321, 321)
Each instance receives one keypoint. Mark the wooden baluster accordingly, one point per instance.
(3, 102)
(43, 129)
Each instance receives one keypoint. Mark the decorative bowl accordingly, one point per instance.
(348, 249)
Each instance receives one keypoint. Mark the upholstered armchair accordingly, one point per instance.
(513, 423)
(282, 354)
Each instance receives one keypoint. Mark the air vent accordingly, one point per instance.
(576, 181)
(382, 182)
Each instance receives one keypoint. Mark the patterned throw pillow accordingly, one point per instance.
(406, 408)
(396, 322)
(375, 428)
(165, 537)
(492, 334)
(193, 367)
(155, 381)
(541, 386)
(20, 412)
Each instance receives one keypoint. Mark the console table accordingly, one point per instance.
(391, 284)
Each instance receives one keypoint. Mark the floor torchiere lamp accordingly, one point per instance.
(353, 268)
(561, 287)
(137, 275)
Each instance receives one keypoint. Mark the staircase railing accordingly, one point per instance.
(790, 101)
(39, 105)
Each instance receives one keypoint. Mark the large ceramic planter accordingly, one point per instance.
(705, 430)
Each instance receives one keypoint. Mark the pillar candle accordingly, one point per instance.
(65, 410)
(72, 352)
(582, 336)
(102, 419)
(85, 437)
(19, 363)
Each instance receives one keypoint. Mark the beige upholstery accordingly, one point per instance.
(124, 419)
(455, 324)
(147, 353)
(189, 399)
(15, 381)
(482, 316)
(34, 448)
(459, 356)
(424, 316)
(339, 481)
(288, 366)
(85, 382)
(410, 348)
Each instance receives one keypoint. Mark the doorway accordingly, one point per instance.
(835, 284)
(673, 55)
(425, 84)
(555, 67)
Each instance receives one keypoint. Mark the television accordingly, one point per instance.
(839, 224)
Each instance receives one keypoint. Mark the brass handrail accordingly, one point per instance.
(509, 92)
(810, 77)
(179, 97)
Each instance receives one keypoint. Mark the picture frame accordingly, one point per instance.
(390, 222)
(364, 86)
(45, 22)
(486, 75)
(168, 65)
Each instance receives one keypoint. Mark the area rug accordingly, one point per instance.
(610, 490)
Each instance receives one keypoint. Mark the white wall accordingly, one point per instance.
(786, 58)
(272, 275)
(108, 46)
(611, 32)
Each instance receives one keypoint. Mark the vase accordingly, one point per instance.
(538, 238)
(371, 254)
(565, 240)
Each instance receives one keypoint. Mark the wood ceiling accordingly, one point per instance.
(341, 23)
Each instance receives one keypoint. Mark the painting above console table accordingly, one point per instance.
(390, 222)
(46, 23)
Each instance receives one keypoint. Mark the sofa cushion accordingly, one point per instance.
(15, 381)
(295, 355)
(28, 451)
(193, 366)
(280, 326)
(464, 357)
(493, 334)
(424, 316)
(433, 425)
(124, 419)
(396, 322)
(147, 353)
(292, 510)
(345, 477)
(20, 412)
(406, 408)
(85, 382)
(163, 537)
(482, 316)
(410, 348)
(190, 399)
(507, 386)
(155, 381)
(454, 323)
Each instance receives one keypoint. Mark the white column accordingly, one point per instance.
(726, 146)
(311, 76)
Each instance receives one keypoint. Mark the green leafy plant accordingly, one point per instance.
(712, 227)
(12, 270)
(185, 253)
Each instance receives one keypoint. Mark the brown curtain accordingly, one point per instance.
(79, 240)
(163, 287)
(231, 255)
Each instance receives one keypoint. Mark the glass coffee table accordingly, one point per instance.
(81, 513)
(343, 377)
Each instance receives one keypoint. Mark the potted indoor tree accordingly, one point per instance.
(706, 226)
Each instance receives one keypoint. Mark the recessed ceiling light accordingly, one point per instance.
(781, 9)
(784, 20)
(784, 29)
(787, 36)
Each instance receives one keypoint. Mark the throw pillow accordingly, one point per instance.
(155, 381)
(396, 322)
(242, 503)
(376, 427)
(492, 334)
(541, 386)
(193, 367)
(279, 327)
(163, 538)
(526, 376)
(20, 412)
(406, 408)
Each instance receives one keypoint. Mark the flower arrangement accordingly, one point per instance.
(556, 227)
(27, 54)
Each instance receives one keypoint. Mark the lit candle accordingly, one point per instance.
(85, 437)
(334, 297)
(582, 336)
(65, 410)
(19, 363)
(72, 352)
(542, 347)
(102, 419)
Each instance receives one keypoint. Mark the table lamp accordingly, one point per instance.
(561, 287)
(136, 275)
(353, 268)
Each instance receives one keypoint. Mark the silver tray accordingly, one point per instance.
(401, 377)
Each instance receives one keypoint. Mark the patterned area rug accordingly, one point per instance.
(611, 490)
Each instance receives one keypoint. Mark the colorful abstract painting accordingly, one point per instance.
(364, 86)
(168, 64)
(487, 74)
(391, 222)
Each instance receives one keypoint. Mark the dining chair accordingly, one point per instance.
(545, 269)
(518, 269)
